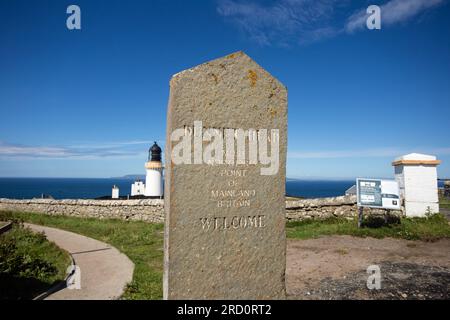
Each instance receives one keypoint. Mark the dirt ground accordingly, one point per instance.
(334, 267)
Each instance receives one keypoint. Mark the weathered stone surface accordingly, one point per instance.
(225, 230)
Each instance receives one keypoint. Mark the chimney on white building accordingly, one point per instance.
(115, 192)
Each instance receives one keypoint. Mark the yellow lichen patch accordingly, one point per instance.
(235, 55)
(273, 111)
(215, 77)
(252, 76)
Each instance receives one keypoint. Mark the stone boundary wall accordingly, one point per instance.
(152, 210)
(149, 210)
(322, 208)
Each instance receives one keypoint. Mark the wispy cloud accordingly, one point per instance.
(136, 148)
(10, 150)
(394, 11)
(305, 20)
(287, 22)
(365, 153)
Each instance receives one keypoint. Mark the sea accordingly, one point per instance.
(91, 188)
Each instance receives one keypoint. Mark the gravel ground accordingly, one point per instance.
(335, 268)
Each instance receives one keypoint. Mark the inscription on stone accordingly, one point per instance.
(225, 182)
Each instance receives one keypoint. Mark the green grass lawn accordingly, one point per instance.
(427, 229)
(29, 264)
(444, 203)
(143, 242)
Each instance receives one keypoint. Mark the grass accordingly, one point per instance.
(426, 229)
(143, 242)
(444, 202)
(29, 263)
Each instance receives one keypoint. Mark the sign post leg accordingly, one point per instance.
(360, 216)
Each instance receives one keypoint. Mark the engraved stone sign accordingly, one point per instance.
(225, 182)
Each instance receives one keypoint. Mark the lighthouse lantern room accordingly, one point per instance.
(154, 172)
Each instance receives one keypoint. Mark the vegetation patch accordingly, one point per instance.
(142, 242)
(29, 263)
(431, 228)
(444, 202)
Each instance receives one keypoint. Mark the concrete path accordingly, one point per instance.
(104, 270)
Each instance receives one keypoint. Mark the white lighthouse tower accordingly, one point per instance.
(154, 176)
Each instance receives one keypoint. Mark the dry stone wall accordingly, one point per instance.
(149, 210)
(323, 208)
(152, 210)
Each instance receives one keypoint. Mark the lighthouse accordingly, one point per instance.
(154, 172)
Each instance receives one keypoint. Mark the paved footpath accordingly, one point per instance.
(104, 270)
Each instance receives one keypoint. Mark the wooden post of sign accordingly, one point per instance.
(360, 216)
(387, 213)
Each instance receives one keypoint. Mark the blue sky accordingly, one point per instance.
(89, 102)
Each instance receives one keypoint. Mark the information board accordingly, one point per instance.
(378, 193)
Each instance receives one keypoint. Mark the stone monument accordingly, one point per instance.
(225, 182)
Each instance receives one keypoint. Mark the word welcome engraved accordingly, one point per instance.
(226, 223)
(225, 182)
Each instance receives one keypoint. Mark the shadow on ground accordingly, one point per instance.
(22, 288)
(378, 221)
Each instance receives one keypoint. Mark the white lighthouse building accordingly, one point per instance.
(154, 173)
(153, 186)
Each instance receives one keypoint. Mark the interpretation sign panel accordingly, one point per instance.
(378, 193)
